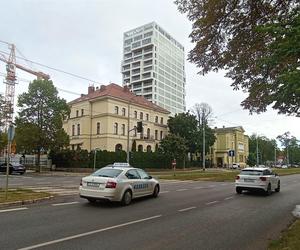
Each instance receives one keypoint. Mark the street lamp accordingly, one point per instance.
(95, 154)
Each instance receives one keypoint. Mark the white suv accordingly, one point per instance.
(252, 179)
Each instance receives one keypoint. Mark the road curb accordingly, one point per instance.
(24, 202)
(296, 211)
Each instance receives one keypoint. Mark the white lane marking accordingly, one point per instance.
(224, 184)
(41, 183)
(198, 187)
(163, 192)
(176, 182)
(211, 186)
(13, 209)
(65, 203)
(212, 202)
(89, 233)
(186, 209)
(180, 190)
(228, 198)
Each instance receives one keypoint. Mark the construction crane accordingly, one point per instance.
(11, 80)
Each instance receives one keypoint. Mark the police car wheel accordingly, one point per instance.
(91, 200)
(127, 197)
(155, 191)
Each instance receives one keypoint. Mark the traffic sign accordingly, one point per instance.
(10, 133)
(231, 152)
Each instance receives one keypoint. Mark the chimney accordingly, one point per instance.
(91, 89)
(126, 89)
(102, 87)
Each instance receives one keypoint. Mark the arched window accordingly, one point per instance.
(149, 148)
(123, 129)
(116, 110)
(141, 116)
(118, 147)
(78, 129)
(73, 129)
(147, 117)
(161, 135)
(156, 119)
(140, 148)
(156, 134)
(161, 120)
(123, 111)
(116, 128)
(135, 114)
(148, 133)
(98, 128)
(77, 113)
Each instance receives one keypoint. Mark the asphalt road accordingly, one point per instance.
(186, 215)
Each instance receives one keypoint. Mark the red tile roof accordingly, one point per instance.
(116, 91)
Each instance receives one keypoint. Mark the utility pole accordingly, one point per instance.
(128, 130)
(203, 152)
(257, 159)
(275, 158)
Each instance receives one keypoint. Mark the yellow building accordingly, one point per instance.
(230, 138)
(100, 119)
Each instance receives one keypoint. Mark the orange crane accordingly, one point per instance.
(10, 81)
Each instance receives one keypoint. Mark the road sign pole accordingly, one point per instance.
(7, 168)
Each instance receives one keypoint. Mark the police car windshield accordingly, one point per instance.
(251, 172)
(107, 172)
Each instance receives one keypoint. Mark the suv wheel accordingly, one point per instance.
(269, 190)
(155, 191)
(238, 190)
(278, 187)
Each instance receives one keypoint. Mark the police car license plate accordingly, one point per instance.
(248, 180)
(93, 184)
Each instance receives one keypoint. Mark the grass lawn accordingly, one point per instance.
(21, 195)
(289, 240)
(212, 174)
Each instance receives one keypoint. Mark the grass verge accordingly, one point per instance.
(289, 240)
(21, 195)
(213, 175)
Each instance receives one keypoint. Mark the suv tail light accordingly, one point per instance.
(80, 182)
(237, 177)
(263, 178)
(111, 184)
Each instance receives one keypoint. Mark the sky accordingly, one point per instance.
(85, 37)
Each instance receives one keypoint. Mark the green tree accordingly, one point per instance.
(174, 146)
(39, 121)
(251, 160)
(2, 112)
(256, 42)
(288, 142)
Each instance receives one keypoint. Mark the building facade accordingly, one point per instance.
(153, 66)
(230, 138)
(101, 119)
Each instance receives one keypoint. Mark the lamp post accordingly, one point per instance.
(95, 156)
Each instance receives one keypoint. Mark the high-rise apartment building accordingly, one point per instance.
(153, 66)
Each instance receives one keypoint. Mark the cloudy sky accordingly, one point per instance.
(84, 37)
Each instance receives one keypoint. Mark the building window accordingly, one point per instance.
(149, 148)
(116, 128)
(82, 112)
(141, 116)
(116, 110)
(140, 148)
(135, 114)
(77, 113)
(156, 135)
(98, 128)
(147, 117)
(123, 111)
(118, 147)
(161, 120)
(123, 129)
(73, 147)
(78, 129)
(148, 133)
(156, 119)
(161, 135)
(73, 129)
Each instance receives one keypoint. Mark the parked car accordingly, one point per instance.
(14, 167)
(235, 166)
(284, 166)
(255, 179)
(118, 182)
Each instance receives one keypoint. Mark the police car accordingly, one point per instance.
(118, 182)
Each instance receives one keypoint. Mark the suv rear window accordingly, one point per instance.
(251, 172)
(107, 172)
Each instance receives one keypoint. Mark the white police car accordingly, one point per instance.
(257, 178)
(118, 182)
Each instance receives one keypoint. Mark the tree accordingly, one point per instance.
(39, 121)
(286, 140)
(256, 42)
(203, 113)
(2, 111)
(174, 146)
